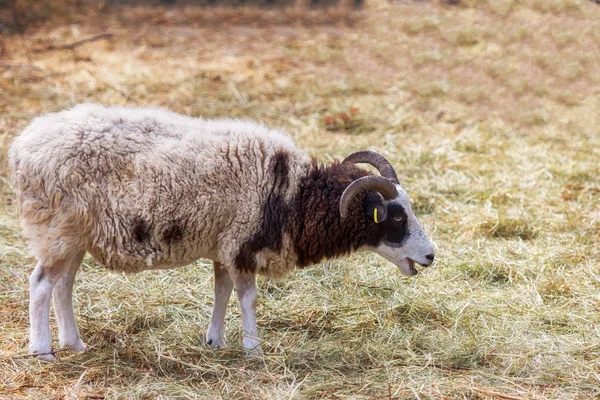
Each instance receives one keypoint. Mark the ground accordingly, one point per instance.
(488, 109)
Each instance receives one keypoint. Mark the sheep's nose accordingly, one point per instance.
(430, 258)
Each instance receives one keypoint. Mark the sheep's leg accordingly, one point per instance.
(41, 283)
(62, 300)
(215, 336)
(245, 286)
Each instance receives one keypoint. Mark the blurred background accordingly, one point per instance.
(489, 109)
(522, 61)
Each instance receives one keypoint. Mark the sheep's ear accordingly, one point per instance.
(377, 212)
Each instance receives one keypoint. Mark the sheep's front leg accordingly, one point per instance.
(41, 283)
(245, 286)
(215, 337)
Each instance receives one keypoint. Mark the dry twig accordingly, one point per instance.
(71, 46)
(496, 394)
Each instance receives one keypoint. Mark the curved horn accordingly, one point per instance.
(375, 159)
(382, 185)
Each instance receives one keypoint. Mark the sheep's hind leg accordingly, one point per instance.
(245, 286)
(62, 301)
(215, 337)
(41, 282)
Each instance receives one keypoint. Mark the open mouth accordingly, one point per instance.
(411, 266)
(408, 267)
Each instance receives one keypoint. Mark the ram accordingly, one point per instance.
(145, 188)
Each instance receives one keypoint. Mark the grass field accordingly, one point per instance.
(490, 111)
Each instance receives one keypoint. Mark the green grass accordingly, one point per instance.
(488, 110)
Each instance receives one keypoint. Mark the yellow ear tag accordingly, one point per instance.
(375, 215)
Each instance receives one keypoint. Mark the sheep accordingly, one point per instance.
(146, 188)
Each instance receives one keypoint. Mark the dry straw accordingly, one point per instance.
(488, 110)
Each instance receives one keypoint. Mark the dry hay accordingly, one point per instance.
(489, 110)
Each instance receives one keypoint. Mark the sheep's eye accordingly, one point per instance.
(398, 219)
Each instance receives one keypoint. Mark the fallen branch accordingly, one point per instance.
(20, 66)
(71, 46)
(496, 394)
(53, 352)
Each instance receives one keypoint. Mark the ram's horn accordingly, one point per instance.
(383, 185)
(375, 159)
